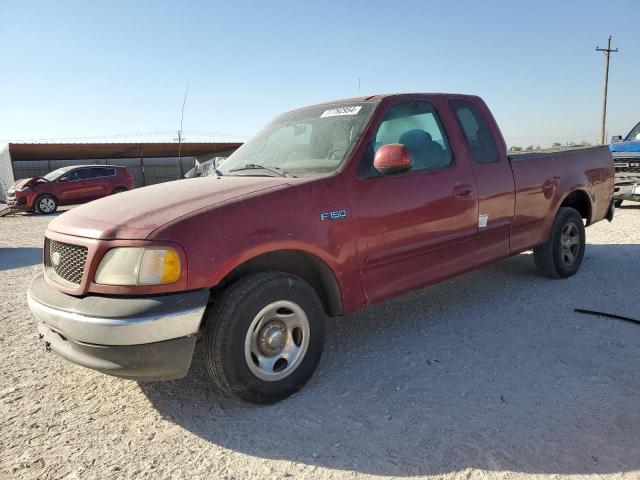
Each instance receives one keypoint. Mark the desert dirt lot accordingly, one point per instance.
(490, 375)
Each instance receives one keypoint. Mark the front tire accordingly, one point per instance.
(46, 204)
(264, 337)
(561, 255)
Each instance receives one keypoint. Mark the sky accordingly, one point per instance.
(117, 70)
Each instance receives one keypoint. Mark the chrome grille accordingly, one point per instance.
(66, 260)
(627, 165)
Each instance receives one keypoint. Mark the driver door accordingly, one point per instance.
(416, 227)
(73, 186)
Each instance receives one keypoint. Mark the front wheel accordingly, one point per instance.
(561, 255)
(264, 337)
(46, 204)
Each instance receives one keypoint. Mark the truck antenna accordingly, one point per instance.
(607, 52)
(184, 101)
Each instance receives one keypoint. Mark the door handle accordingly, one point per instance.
(463, 191)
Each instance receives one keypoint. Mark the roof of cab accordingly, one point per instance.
(381, 96)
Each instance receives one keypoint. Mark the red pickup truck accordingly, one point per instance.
(328, 209)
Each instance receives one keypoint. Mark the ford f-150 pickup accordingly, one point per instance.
(329, 208)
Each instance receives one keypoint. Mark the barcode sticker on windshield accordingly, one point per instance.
(336, 112)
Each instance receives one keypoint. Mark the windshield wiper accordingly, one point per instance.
(254, 166)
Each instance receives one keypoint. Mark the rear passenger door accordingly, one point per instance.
(104, 178)
(98, 182)
(494, 179)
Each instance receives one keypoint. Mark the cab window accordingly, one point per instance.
(417, 126)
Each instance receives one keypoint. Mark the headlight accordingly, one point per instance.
(139, 266)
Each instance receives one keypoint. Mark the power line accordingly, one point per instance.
(607, 52)
(217, 134)
(114, 135)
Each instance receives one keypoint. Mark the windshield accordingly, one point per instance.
(56, 174)
(304, 142)
(634, 135)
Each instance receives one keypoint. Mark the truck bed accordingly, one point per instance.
(541, 178)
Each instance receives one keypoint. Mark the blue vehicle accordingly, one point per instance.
(626, 156)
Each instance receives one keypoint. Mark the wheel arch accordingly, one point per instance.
(300, 263)
(578, 199)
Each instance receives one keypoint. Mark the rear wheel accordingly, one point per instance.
(561, 255)
(118, 190)
(264, 337)
(46, 204)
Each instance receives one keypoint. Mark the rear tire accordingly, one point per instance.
(264, 337)
(561, 255)
(46, 204)
(118, 190)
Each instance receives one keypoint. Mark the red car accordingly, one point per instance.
(68, 185)
(328, 209)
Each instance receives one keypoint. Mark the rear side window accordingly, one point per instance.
(476, 131)
(85, 173)
(96, 172)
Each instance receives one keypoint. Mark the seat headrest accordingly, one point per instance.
(415, 137)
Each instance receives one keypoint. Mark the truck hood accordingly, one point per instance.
(137, 213)
(633, 146)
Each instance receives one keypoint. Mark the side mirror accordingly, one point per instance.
(392, 159)
(62, 180)
(616, 139)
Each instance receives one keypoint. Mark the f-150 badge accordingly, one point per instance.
(334, 215)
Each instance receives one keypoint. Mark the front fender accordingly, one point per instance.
(222, 238)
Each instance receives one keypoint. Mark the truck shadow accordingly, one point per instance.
(492, 370)
(20, 257)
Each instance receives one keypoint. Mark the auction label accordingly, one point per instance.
(336, 112)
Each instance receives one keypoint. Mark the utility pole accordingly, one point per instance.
(607, 52)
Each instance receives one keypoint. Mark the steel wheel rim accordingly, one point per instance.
(47, 205)
(277, 340)
(569, 243)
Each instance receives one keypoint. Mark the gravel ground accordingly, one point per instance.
(489, 375)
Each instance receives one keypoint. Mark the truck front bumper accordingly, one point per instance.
(143, 338)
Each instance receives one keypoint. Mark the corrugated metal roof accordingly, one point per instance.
(80, 151)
